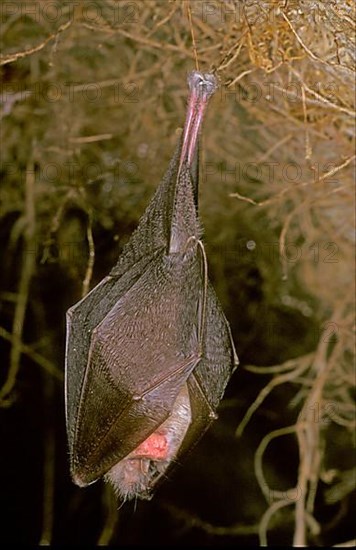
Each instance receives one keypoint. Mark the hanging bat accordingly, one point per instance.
(149, 351)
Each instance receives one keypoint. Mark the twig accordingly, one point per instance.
(240, 77)
(55, 223)
(288, 365)
(321, 98)
(283, 235)
(49, 463)
(297, 186)
(308, 50)
(308, 151)
(91, 259)
(245, 199)
(270, 494)
(192, 521)
(164, 20)
(266, 518)
(189, 11)
(90, 139)
(10, 58)
(274, 147)
(308, 435)
(27, 269)
(223, 63)
(287, 377)
(110, 504)
(47, 365)
(142, 40)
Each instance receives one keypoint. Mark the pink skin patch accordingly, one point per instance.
(155, 447)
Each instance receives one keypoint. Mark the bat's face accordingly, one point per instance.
(149, 351)
(137, 474)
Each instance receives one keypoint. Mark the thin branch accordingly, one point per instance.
(91, 259)
(297, 186)
(192, 521)
(308, 150)
(143, 40)
(163, 21)
(245, 199)
(27, 270)
(288, 365)
(240, 77)
(90, 139)
(228, 58)
(321, 98)
(110, 504)
(10, 58)
(273, 148)
(37, 358)
(283, 378)
(308, 435)
(189, 12)
(49, 466)
(308, 50)
(270, 494)
(266, 518)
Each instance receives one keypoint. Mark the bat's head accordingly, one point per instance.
(138, 473)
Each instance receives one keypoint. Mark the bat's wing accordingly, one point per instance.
(82, 319)
(140, 355)
(219, 358)
(207, 382)
(150, 241)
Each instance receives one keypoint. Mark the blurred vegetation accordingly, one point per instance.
(92, 96)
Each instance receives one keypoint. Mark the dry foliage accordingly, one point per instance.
(92, 95)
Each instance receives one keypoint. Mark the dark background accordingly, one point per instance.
(92, 96)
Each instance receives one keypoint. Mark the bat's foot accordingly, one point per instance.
(202, 84)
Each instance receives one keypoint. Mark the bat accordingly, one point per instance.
(149, 351)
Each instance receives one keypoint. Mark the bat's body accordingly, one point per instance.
(149, 351)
